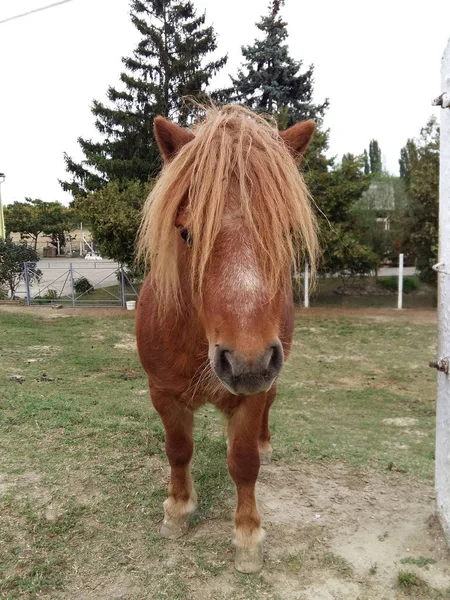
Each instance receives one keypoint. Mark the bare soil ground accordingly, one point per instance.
(332, 534)
(419, 316)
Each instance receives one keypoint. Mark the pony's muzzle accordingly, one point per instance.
(245, 377)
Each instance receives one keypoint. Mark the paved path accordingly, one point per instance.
(386, 271)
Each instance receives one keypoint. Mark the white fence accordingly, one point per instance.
(105, 284)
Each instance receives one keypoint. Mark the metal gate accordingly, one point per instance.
(79, 283)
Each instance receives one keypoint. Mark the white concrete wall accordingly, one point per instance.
(443, 402)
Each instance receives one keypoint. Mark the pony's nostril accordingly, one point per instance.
(276, 359)
(226, 367)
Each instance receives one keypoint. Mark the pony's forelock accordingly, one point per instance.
(235, 154)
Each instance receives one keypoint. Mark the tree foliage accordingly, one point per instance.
(336, 187)
(270, 80)
(419, 168)
(35, 217)
(169, 63)
(12, 258)
(375, 160)
(114, 214)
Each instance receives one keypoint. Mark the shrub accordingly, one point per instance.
(82, 285)
(410, 284)
(3, 293)
(51, 294)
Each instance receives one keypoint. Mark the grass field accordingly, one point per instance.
(83, 472)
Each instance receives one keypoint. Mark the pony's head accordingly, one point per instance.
(227, 219)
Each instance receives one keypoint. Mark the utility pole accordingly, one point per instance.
(2, 217)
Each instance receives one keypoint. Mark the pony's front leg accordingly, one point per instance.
(178, 422)
(243, 465)
(264, 445)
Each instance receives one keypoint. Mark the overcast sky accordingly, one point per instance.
(378, 63)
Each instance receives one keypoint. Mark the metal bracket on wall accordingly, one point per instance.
(440, 268)
(441, 365)
(443, 100)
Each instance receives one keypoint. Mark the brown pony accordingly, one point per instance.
(227, 219)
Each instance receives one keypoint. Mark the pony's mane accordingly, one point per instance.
(235, 153)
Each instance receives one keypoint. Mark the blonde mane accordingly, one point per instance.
(234, 152)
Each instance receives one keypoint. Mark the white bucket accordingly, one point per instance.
(131, 305)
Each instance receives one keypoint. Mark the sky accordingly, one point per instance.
(377, 62)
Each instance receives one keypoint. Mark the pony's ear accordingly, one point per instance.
(170, 137)
(297, 138)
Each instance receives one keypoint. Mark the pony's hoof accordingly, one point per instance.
(174, 528)
(265, 458)
(249, 560)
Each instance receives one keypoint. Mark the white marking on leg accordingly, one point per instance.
(243, 538)
(178, 509)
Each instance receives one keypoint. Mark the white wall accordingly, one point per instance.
(443, 403)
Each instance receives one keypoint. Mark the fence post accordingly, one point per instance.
(27, 283)
(400, 282)
(122, 285)
(73, 284)
(443, 400)
(306, 285)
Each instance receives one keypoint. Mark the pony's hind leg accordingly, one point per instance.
(264, 445)
(178, 422)
(243, 465)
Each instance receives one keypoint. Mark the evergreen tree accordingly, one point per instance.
(271, 80)
(407, 161)
(419, 161)
(376, 165)
(336, 188)
(167, 65)
(366, 163)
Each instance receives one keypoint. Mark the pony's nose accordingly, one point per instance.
(244, 377)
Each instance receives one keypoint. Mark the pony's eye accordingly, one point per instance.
(186, 237)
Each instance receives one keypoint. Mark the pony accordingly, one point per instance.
(221, 230)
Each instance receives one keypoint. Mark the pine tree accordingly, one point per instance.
(167, 65)
(271, 80)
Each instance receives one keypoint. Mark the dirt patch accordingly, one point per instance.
(127, 342)
(401, 422)
(141, 392)
(47, 312)
(117, 586)
(418, 316)
(371, 522)
(336, 534)
(44, 350)
(26, 485)
(333, 533)
(421, 316)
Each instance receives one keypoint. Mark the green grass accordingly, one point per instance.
(406, 579)
(421, 561)
(358, 374)
(82, 457)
